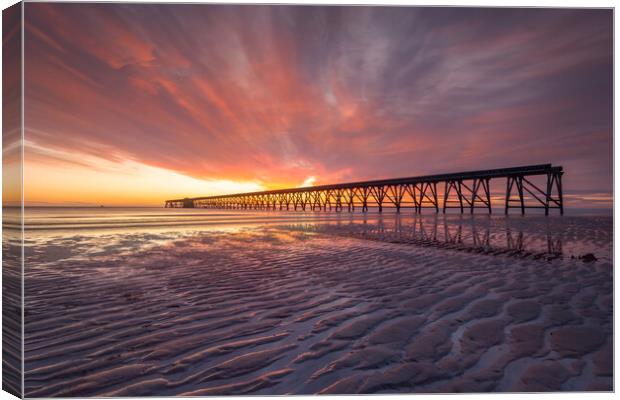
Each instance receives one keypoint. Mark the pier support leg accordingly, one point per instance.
(446, 194)
(460, 194)
(548, 192)
(560, 196)
(509, 184)
(487, 191)
(520, 190)
(474, 194)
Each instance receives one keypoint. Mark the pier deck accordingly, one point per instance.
(465, 191)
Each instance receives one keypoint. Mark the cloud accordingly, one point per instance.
(277, 94)
(308, 182)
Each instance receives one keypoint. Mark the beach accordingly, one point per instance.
(211, 302)
(298, 199)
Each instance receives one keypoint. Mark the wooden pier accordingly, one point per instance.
(465, 191)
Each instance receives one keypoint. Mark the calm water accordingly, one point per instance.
(56, 218)
(570, 236)
(37, 218)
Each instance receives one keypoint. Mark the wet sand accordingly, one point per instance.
(294, 309)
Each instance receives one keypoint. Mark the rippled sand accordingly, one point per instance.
(279, 309)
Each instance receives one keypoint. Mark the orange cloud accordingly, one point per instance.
(272, 95)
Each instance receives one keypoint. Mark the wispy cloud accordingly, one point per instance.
(277, 94)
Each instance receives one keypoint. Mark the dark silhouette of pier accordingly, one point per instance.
(461, 190)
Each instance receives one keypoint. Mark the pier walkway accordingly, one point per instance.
(465, 191)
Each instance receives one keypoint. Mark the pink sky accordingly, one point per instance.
(131, 104)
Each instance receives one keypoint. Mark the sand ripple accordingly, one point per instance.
(275, 311)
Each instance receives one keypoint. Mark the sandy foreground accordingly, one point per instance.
(270, 309)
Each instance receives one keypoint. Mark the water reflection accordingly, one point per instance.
(479, 234)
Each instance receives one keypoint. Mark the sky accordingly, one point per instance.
(134, 104)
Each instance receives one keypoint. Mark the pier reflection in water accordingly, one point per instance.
(518, 237)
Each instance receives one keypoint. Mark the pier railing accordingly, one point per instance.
(465, 191)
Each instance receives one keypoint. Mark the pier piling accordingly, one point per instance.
(462, 190)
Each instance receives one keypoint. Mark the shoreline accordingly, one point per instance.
(270, 310)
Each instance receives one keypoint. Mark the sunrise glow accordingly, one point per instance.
(118, 111)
